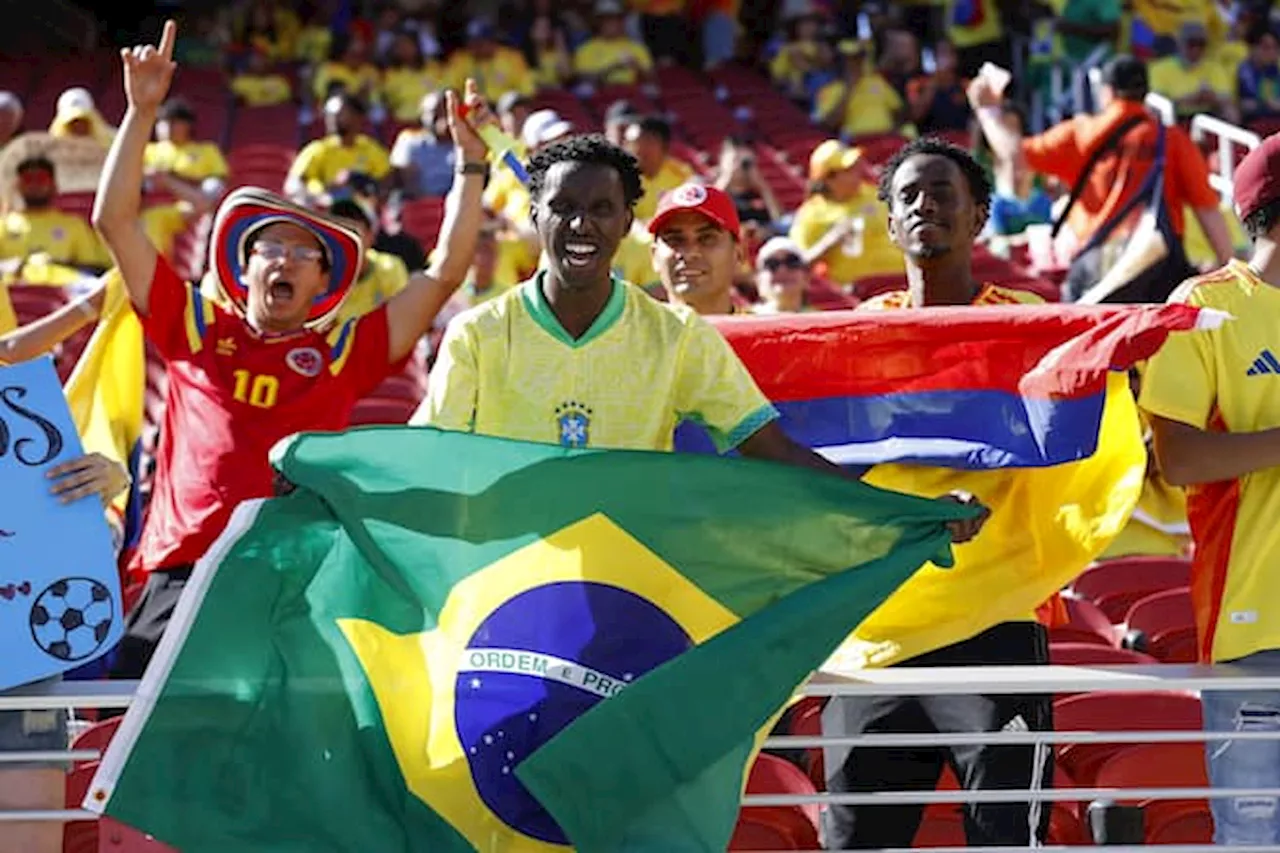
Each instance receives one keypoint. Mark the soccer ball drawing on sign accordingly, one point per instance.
(71, 619)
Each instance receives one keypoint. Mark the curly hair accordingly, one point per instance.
(976, 176)
(593, 149)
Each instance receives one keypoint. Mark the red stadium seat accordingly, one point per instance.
(806, 719)
(1093, 654)
(421, 218)
(79, 836)
(1118, 712)
(1154, 765)
(1177, 822)
(1086, 624)
(33, 301)
(96, 736)
(1116, 585)
(1167, 622)
(376, 410)
(797, 825)
(115, 837)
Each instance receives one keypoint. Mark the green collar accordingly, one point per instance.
(535, 301)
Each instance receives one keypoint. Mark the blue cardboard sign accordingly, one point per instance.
(60, 601)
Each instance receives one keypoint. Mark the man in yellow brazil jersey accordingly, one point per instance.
(1215, 415)
(938, 198)
(580, 358)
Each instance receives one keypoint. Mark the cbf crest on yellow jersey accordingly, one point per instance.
(507, 368)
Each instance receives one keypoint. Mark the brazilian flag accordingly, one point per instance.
(446, 642)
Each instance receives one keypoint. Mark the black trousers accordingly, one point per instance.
(146, 624)
(980, 767)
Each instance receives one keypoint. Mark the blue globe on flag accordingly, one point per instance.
(71, 618)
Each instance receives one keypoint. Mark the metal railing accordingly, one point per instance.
(837, 681)
(1229, 136)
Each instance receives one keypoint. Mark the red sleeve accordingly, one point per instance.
(1055, 152)
(360, 351)
(1192, 170)
(178, 318)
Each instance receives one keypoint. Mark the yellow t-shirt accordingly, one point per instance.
(818, 214)
(783, 68)
(164, 223)
(508, 369)
(1228, 379)
(404, 88)
(597, 54)
(64, 237)
(672, 174)
(505, 71)
(506, 196)
(1158, 526)
(261, 90)
(192, 161)
(312, 44)
(1169, 77)
(991, 294)
(551, 68)
(870, 109)
(384, 275)
(356, 81)
(322, 160)
(633, 261)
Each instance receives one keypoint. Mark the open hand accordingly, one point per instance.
(149, 70)
(92, 474)
(464, 118)
(963, 531)
(982, 93)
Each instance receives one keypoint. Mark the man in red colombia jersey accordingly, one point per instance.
(239, 382)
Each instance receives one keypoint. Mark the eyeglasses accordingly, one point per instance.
(270, 251)
(777, 262)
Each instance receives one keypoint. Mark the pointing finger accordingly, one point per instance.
(167, 38)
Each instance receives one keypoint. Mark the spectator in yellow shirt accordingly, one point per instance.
(842, 223)
(78, 116)
(649, 141)
(348, 70)
(496, 68)
(42, 229)
(258, 85)
(611, 57)
(802, 55)
(176, 150)
(409, 77)
(547, 53)
(383, 275)
(1194, 82)
(861, 103)
(321, 163)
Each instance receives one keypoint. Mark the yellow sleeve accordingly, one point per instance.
(87, 250)
(380, 163)
(643, 56)
(215, 165)
(151, 157)
(1162, 77)
(1179, 383)
(452, 387)
(828, 96)
(304, 165)
(780, 66)
(805, 229)
(714, 389)
(394, 278)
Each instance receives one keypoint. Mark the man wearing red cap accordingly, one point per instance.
(1213, 398)
(697, 247)
(240, 380)
(580, 358)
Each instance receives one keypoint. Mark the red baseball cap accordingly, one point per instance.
(1257, 178)
(711, 202)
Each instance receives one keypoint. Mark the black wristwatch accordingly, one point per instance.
(470, 168)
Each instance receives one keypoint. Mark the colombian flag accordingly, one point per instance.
(449, 642)
(1028, 408)
(105, 392)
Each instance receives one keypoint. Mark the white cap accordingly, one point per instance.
(543, 126)
(75, 99)
(778, 246)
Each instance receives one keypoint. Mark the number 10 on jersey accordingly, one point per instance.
(258, 390)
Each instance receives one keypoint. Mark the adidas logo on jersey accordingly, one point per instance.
(1266, 364)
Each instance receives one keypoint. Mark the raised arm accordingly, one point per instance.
(117, 207)
(411, 312)
(36, 339)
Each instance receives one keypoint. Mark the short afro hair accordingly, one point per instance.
(976, 176)
(593, 149)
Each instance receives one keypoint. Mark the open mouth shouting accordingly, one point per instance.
(280, 292)
(580, 254)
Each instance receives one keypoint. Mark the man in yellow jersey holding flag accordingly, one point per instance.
(938, 198)
(1215, 415)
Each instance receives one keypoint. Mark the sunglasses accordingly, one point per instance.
(270, 251)
(778, 262)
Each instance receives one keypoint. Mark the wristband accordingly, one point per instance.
(468, 168)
